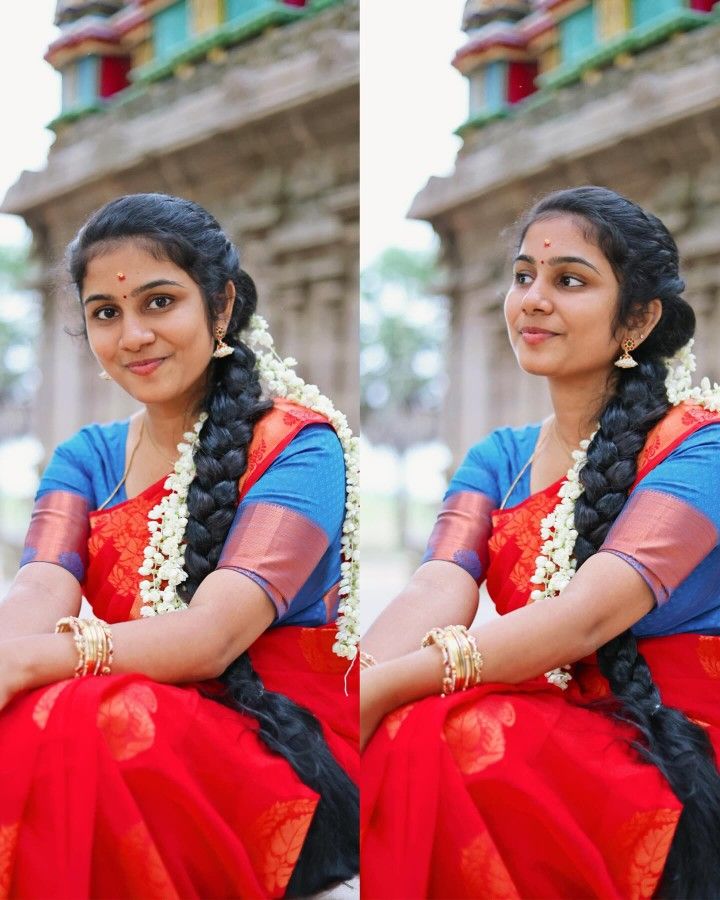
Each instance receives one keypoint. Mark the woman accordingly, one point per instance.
(215, 756)
(595, 779)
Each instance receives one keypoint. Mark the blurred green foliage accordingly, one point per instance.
(19, 328)
(403, 327)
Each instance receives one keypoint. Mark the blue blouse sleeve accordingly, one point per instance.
(68, 470)
(463, 526)
(670, 527)
(59, 526)
(287, 528)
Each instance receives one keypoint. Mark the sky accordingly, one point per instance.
(29, 96)
(411, 102)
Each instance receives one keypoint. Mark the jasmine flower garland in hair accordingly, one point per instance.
(280, 380)
(556, 566)
(165, 553)
(163, 566)
(679, 381)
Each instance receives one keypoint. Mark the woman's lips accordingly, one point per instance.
(146, 366)
(536, 335)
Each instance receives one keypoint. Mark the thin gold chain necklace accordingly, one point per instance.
(127, 467)
(524, 469)
(569, 450)
(159, 450)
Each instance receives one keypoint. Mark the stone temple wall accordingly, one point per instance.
(267, 140)
(652, 132)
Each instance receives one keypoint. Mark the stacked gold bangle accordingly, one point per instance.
(93, 640)
(462, 661)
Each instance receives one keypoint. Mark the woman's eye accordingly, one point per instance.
(160, 302)
(105, 313)
(571, 281)
(523, 278)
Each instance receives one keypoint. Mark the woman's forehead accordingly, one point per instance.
(127, 257)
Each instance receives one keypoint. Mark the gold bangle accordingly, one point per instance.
(93, 640)
(471, 655)
(477, 659)
(457, 654)
(438, 636)
(106, 667)
(462, 661)
(71, 624)
(367, 660)
(102, 640)
(91, 646)
(467, 652)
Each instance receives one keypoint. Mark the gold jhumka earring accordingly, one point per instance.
(626, 361)
(222, 348)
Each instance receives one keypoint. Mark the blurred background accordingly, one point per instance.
(412, 100)
(250, 107)
(30, 100)
(462, 130)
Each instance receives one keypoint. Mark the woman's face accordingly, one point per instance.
(147, 325)
(562, 302)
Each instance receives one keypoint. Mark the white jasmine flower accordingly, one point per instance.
(164, 556)
(555, 567)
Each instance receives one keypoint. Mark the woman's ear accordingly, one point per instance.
(650, 317)
(230, 294)
(642, 322)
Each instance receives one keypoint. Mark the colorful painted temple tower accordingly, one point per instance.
(622, 93)
(249, 107)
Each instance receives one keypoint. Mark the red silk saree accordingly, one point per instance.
(520, 791)
(125, 787)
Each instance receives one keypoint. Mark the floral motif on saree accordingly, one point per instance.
(126, 787)
(522, 790)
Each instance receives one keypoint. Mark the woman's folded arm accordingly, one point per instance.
(605, 597)
(228, 612)
(439, 593)
(40, 594)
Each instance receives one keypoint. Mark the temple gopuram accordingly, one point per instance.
(621, 93)
(249, 107)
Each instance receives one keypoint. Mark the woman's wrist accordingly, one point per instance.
(404, 679)
(36, 660)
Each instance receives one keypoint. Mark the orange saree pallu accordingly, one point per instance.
(524, 791)
(120, 786)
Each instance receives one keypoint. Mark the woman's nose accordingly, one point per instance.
(536, 297)
(135, 334)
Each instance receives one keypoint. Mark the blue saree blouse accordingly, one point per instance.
(668, 531)
(285, 535)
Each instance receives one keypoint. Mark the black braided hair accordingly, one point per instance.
(188, 236)
(644, 258)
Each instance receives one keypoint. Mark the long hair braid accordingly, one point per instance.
(644, 258)
(680, 748)
(233, 402)
(187, 235)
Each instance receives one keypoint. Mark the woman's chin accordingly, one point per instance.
(148, 394)
(535, 363)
